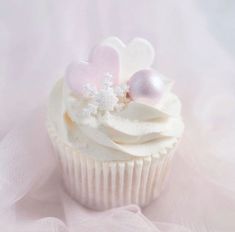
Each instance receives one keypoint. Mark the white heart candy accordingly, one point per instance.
(138, 54)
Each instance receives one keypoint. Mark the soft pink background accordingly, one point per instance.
(194, 42)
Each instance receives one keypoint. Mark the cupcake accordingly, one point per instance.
(115, 124)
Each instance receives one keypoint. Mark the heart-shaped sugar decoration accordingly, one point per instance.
(138, 54)
(102, 61)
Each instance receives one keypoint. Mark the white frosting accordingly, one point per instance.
(137, 130)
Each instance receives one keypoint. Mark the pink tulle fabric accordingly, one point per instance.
(37, 41)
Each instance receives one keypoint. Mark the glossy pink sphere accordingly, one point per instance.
(146, 86)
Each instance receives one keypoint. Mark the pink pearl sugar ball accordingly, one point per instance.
(146, 86)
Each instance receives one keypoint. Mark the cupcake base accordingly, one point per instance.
(102, 185)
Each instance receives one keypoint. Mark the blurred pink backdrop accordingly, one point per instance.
(194, 46)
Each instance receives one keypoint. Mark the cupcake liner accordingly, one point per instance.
(102, 185)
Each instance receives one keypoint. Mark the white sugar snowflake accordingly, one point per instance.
(104, 100)
(89, 90)
(91, 109)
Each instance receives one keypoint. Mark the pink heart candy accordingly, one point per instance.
(103, 60)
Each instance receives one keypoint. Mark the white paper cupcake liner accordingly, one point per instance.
(102, 185)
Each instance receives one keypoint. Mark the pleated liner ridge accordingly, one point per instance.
(102, 185)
